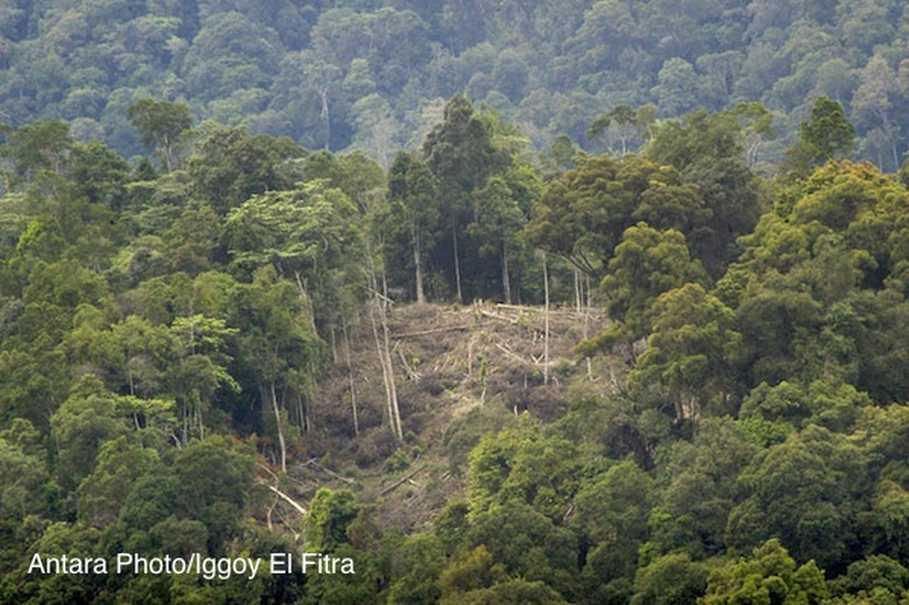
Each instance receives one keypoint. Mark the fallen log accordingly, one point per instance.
(401, 481)
(427, 332)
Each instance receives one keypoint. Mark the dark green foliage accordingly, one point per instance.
(826, 135)
(669, 580)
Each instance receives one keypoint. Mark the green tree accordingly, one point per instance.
(87, 419)
(827, 134)
(769, 575)
(413, 200)
(280, 346)
(805, 492)
(161, 125)
(670, 580)
(611, 514)
(646, 264)
(460, 153)
(330, 515)
(502, 208)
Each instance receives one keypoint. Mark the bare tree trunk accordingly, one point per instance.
(274, 402)
(350, 376)
(394, 415)
(545, 321)
(418, 267)
(199, 420)
(334, 345)
(396, 410)
(506, 281)
(382, 347)
(457, 262)
(305, 298)
(587, 326)
(577, 290)
(385, 381)
(301, 415)
(326, 116)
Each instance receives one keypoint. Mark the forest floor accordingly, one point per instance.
(461, 372)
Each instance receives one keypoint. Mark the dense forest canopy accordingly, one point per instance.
(626, 322)
(373, 75)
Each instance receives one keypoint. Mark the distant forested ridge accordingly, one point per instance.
(372, 75)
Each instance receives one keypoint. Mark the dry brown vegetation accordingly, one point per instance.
(461, 372)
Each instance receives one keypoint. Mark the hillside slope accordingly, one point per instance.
(461, 372)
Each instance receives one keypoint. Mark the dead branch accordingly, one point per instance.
(401, 481)
(382, 296)
(496, 316)
(427, 332)
(515, 356)
(414, 376)
(285, 497)
(334, 474)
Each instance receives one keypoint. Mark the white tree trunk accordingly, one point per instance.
(506, 281)
(457, 262)
(274, 402)
(418, 266)
(350, 376)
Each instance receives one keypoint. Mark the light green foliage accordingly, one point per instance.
(103, 492)
(214, 478)
(877, 579)
(23, 479)
(646, 264)
(472, 571)
(512, 592)
(43, 145)
(825, 403)
(527, 544)
(414, 212)
(715, 154)
(58, 538)
(521, 464)
(330, 514)
(227, 165)
(769, 575)
(306, 234)
(583, 214)
(691, 352)
(501, 209)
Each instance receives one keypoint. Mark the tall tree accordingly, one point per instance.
(160, 125)
(502, 208)
(826, 135)
(414, 202)
(460, 152)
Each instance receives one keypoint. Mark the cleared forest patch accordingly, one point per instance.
(461, 372)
